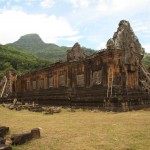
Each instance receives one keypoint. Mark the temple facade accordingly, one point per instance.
(112, 75)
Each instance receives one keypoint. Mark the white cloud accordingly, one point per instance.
(80, 3)
(107, 14)
(116, 6)
(96, 19)
(147, 47)
(17, 0)
(15, 23)
(105, 8)
(142, 27)
(29, 3)
(74, 38)
(101, 46)
(47, 3)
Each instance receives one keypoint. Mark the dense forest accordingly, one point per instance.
(18, 61)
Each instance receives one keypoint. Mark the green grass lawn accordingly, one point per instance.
(81, 130)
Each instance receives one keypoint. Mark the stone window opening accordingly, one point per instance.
(27, 85)
(50, 82)
(42, 84)
(80, 80)
(34, 85)
(61, 80)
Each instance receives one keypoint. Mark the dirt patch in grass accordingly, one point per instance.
(81, 130)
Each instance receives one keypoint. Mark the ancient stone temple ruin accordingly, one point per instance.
(111, 78)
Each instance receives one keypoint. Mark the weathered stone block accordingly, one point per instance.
(19, 139)
(18, 108)
(11, 107)
(36, 109)
(2, 140)
(35, 133)
(57, 110)
(5, 147)
(49, 111)
(3, 131)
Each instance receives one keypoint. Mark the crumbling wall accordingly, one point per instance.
(123, 56)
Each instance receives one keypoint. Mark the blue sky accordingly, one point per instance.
(64, 22)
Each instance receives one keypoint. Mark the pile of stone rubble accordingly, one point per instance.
(31, 107)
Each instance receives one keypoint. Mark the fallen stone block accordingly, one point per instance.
(35, 133)
(57, 110)
(5, 147)
(52, 110)
(18, 139)
(36, 109)
(6, 105)
(3, 131)
(18, 108)
(49, 111)
(8, 141)
(11, 107)
(2, 140)
(71, 110)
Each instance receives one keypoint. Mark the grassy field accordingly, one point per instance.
(81, 130)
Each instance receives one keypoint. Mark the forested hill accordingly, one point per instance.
(33, 44)
(19, 61)
(30, 43)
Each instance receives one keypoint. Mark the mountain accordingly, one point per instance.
(33, 44)
(19, 61)
(30, 43)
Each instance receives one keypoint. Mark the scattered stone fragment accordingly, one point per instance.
(5, 147)
(57, 110)
(71, 110)
(52, 110)
(2, 140)
(49, 111)
(8, 141)
(3, 131)
(6, 105)
(18, 108)
(36, 109)
(11, 107)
